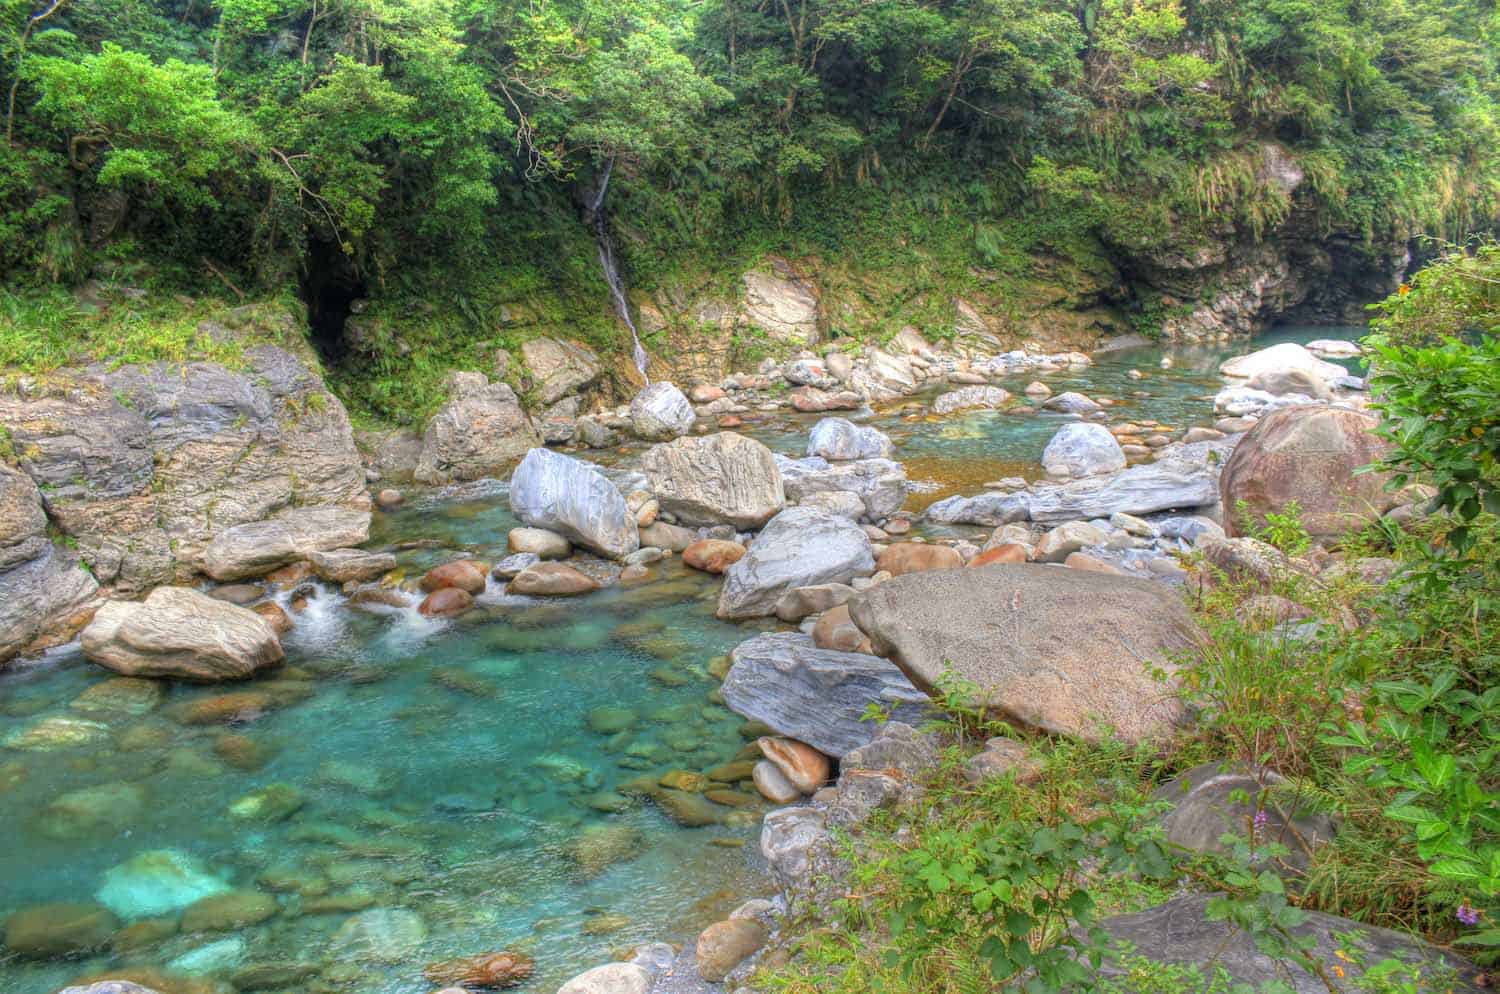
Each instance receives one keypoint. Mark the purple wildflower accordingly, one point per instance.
(1261, 820)
(1468, 915)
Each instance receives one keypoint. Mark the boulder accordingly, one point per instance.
(180, 633)
(1065, 539)
(257, 548)
(1217, 799)
(611, 978)
(1006, 552)
(811, 400)
(1181, 933)
(1310, 455)
(478, 433)
(773, 784)
(672, 538)
(724, 478)
(713, 555)
(882, 377)
(1281, 382)
(816, 696)
(538, 542)
(1286, 357)
(808, 373)
(914, 557)
(1183, 476)
(660, 412)
(989, 509)
(1060, 650)
(844, 503)
(799, 602)
(351, 565)
(571, 497)
(725, 945)
(1082, 449)
(463, 574)
(48, 594)
(803, 766)
(799, 547)
(968, 398)
(551, 580)
(445, 602)
(879, 483)
(558, 368)
(841, 440)
(1072, 403)
(796, 843)
(834, 629)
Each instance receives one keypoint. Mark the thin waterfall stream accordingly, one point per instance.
(599, 218)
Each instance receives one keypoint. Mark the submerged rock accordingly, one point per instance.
(64, 929)
(798, 548)
(257, 548)
(380, 935)
(505, 969)
(156, 882)
(180, 633)
(817, 696)
(571, 497)
(998, 627)
(723, 478)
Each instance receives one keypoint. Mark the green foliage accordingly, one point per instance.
(1283, 529)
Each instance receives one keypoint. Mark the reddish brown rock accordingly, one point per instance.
(1011, 552)
(917, 557)
(551, 580)
(835, 630)
(1082, 560)
(275, 616)
(505, 969)
(705, 393)
(1310, 455)
(713, 555)
(804, 767)
(245, 705)
(463, 575)
(445, 602)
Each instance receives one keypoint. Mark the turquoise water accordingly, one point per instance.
(466, 772)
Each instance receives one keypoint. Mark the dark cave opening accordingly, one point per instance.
(330, 285)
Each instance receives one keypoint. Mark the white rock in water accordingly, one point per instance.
(661, 412)
(1339, 347)
(157, 882)
(800, 547)
(840, 440)
(572, 498)
(1082, 449)
(1279, 358)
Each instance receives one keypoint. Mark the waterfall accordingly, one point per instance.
(596, 215)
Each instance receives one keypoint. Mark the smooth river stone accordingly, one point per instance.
(817, 696)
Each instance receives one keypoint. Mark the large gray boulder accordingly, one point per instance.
(142, 466)
(841, 440)
(41, 586)
(800, 547)
(257, 548)
(882, 377)
(723, 478)
(1180, 933)
(661, 412)
(571, 497)
(478, 433)
(988, 509)
(817, 696)
(1062, 650)
(879, 483)
(1082, 448)
(1183, 476)
(557, 368)
(1217, 799)
(180, 633)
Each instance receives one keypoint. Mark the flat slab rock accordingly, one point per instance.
(817, 695)
(1178, 932)
(1063, 650)
(258, 547)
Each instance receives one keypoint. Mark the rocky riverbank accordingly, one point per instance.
(1049, 599)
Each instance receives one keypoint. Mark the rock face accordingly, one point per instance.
(817, 695)
(478, 433)
(841, 440)
(724, 478)
(1082, 449)
(800, 547)
(558, 368)
(660, 412)
(880, 484)
(256, 548)
(569, 496)
(1179, 932)
(41, 585)
(782, 305)
(142, 466)
(180, 633)
(1059, 650)
(1308, 455)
